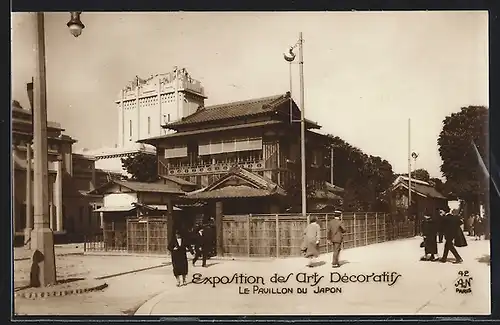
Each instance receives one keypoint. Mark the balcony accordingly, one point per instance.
(209, 168)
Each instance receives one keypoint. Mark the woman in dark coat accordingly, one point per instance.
(178, 248)
(429, 232)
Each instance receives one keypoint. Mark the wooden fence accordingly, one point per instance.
(281, 235)
(147, 235)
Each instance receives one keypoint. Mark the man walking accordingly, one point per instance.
(336, 230)
(453, 237)
(201, 246)
(440, 223)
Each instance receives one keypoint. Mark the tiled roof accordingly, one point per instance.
(319, 194)
(177, 180)
(233, 110)
(260, 182)
(140, 187)
(201, 131)
(420, 187)
(148, 187)
(239, 191)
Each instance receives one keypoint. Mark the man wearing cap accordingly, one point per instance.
(336, 230)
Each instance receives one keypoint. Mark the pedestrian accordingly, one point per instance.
(454, 236)
(310, 244)
(429, 232)
(201, 245)
(479, 226)
(178, 248)
(470, 223)
(440, 224)
(336, 230)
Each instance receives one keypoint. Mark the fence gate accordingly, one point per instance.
(147, 235)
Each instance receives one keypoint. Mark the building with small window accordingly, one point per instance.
(246, 151)
(71, 176)
(143, 106)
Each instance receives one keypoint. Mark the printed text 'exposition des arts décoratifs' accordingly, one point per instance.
(258, 283)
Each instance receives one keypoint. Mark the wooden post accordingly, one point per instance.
(277, 237)
(248, 234)
(326, 229)
(354, 230)
(219, 227)
(366, 229)
(127, 237)
(147, 234)
(376, 227)
(385, 230)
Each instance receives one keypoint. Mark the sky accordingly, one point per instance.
(365, 73)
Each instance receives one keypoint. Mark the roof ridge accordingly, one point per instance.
(246, 101)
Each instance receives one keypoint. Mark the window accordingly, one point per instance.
(130, 127)
(168, 118)
(176, 152)
(149, 125)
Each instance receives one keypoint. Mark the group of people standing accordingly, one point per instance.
(446, 225)
(197, 241)
(335, 236)
(476, 225)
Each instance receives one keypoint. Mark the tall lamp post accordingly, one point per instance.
(290, 57)
(42, 237)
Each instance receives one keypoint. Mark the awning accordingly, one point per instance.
(159, 207)
(115, 209)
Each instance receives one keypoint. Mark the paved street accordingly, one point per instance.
(125, 292)
(423, 288)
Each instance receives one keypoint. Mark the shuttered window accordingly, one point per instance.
(227, 146)
(177, 152)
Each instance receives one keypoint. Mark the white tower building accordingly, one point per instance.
(143, 106)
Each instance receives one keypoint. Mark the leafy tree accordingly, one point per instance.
(364, 177)
(421, 175)
(142, 167)
(461, 131)
(438, 185)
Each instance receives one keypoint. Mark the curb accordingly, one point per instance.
(148, 306)
(55, 292)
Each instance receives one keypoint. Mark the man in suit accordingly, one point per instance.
(440, 224)
(452, 232)
(336, 230)
(201, 244)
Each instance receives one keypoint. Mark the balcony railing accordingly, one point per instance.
(208, 168)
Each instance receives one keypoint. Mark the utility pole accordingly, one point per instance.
(302, 127)
(29, 212)
(42, 237)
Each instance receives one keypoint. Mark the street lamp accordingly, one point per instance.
(289, 57)
(42, 236)
(414, 155)
(75, 25)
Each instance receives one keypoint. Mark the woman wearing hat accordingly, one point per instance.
(429, 232)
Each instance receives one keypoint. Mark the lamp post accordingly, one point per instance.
(289, 57)
(42, 237)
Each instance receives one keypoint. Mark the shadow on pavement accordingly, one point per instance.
(484, 259)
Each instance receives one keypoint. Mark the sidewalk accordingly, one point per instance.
(423, 288)
(21, 253)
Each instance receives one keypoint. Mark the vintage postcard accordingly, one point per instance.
(250, 163)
